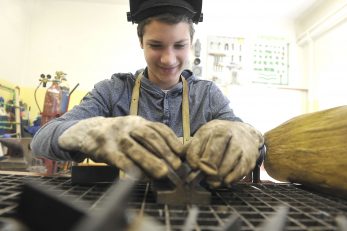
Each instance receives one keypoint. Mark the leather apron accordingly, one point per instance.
(134, 105)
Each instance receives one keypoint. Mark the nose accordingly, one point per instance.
(168, 57)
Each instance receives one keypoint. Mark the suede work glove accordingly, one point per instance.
(125, 142)
(225, 150)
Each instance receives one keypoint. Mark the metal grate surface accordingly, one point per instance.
(253, 203)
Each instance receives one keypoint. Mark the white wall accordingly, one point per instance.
(322, 37)
(87, 40)
(13, 38)
(264, 106)
(90, 40)
(331, 63)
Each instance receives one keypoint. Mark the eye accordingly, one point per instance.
(155, 46)
(180, 46)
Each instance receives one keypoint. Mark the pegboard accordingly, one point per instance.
(271, 61)
(225, 59)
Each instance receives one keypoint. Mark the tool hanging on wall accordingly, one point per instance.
(196, 67)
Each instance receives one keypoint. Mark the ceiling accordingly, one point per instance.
(279, 9)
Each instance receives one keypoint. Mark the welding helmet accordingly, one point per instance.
(141, 9)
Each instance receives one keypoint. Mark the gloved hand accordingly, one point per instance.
(125, 142)
(225, 150)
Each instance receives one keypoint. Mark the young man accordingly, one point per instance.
(135, 120)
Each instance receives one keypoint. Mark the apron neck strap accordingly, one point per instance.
(134, 104)
(185, 111)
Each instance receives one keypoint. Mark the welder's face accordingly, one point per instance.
(166, 48)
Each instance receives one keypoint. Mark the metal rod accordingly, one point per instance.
(276, 222)
(17, 112)
(74, 89)
(7, 88)
(191, 219)
(112, 216)
(341, 223)
(232, 224)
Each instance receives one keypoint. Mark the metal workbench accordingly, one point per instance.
(252, 203)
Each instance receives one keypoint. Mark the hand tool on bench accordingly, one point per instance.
(181, 187)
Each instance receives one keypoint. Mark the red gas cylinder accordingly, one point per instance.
(52, 103)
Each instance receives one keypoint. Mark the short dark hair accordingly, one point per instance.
(166, 18)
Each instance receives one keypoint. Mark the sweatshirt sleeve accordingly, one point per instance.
(220, 105)
(45, 142)
(95, 103)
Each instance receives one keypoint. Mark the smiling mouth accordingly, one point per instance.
(168, 69)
